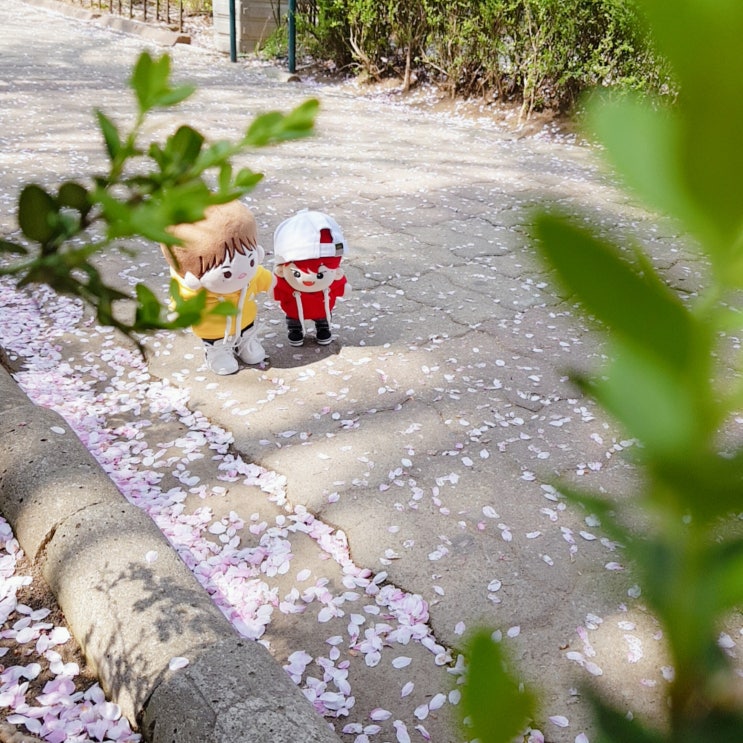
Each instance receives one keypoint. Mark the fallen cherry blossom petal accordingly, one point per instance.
(401, 730)
(421, 711)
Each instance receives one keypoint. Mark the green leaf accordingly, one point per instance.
(151, 84)
(265, 129)
(223, 309)
(277, 127)
(701, 39)
(183, 148)
(492, 700)
(188, 311)
(111, 136)
(719, 478)
(653, 403)
(300, 121)
(177, 205)
(37, 212)
(115, 213)
(637, 307)
(616, 727)
(153, 217)
(9, 247)
(149, 309)
(724, 576)
(149, 77)
(216, 154)
(225, 177)
(75, 196)
(643, 143)
(246, 179)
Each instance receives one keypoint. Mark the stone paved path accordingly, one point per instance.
(402, 491)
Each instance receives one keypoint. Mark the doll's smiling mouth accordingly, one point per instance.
(308, 283)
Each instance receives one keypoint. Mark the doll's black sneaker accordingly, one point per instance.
(322, 332)
(296, 332)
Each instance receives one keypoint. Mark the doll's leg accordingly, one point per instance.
(322, 332)
(296, 331)
(220, 357)
(249, 348)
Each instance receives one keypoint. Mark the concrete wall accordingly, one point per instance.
(254, 21)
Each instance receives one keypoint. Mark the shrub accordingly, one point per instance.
(542, 53)
(347, 33)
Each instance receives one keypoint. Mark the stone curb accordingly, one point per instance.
(157, 34)
(131, 603)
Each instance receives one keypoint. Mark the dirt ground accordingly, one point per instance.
(38, 595)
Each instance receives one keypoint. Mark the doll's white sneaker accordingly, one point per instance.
(249, 348)
(220, 357)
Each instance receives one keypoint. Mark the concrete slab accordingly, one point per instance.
(130, 601)
(234, 691)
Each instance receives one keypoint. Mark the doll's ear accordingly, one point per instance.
(191, 282)
(279, 270)
(260, 253)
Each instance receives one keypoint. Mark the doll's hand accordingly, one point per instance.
(192, 282)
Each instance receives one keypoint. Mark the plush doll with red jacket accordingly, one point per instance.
(308, 249)
(220, 254)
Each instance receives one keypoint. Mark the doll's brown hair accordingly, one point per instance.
(225, 230)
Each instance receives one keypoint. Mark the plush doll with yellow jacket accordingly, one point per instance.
(220, 254)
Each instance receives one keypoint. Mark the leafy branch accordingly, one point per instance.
(665, 382)
(147, 189)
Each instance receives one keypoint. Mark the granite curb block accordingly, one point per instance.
(131, 603)
(157, 34)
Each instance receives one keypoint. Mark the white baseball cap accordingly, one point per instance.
(308, 234)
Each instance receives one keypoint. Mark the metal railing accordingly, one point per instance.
(169, 12)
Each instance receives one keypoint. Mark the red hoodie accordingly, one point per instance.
(313, 303)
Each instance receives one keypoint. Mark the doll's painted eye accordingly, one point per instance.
(320, 275)
(252, 261)
(227, 274)
(297, 274)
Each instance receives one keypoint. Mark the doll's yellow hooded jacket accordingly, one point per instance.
(215, 327)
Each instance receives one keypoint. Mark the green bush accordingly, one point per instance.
(466, 49)
(541, 53)
(277, 43)
(330, 29)
(197, 6)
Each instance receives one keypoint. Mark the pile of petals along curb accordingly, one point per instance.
(378, 614)
(61, 713)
